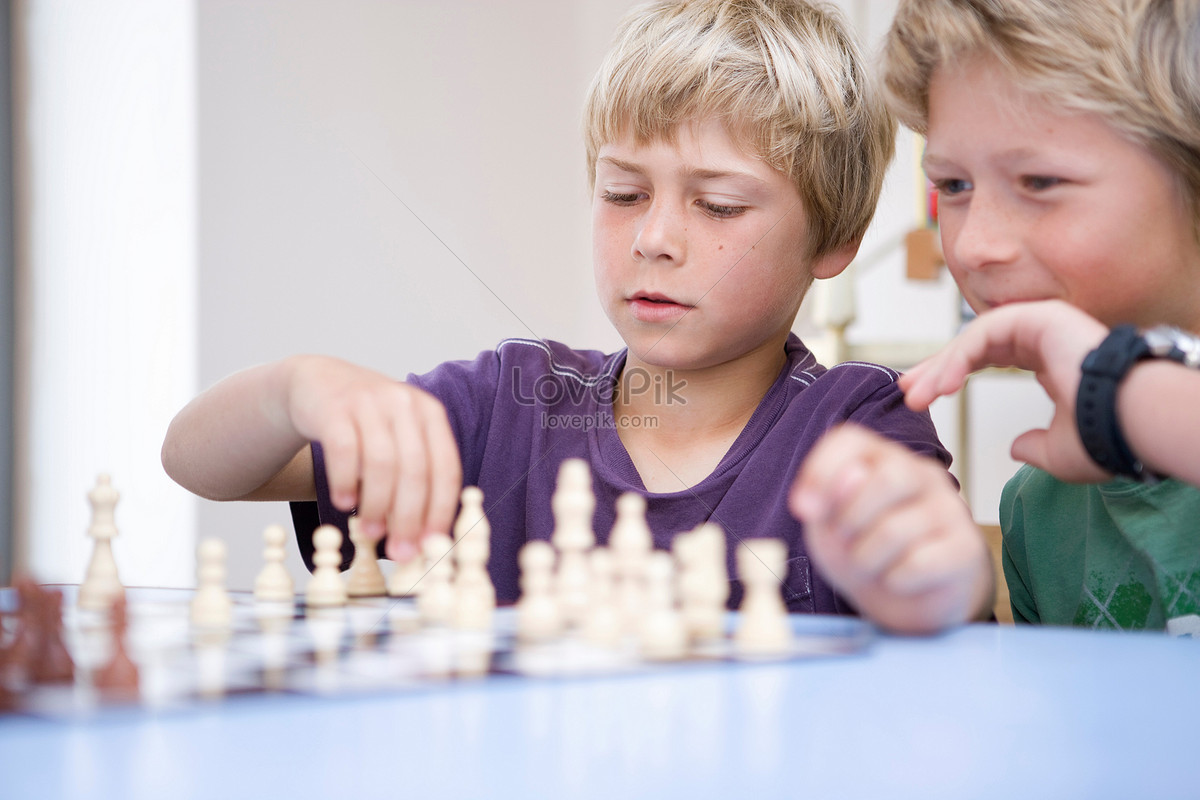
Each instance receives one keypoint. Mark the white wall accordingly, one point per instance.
(105, 197)
(393, 183)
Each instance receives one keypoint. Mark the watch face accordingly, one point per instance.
(1175, 344)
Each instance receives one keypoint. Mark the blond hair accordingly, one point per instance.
(785, 77)
(1135, 63)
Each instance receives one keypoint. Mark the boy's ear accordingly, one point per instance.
(831, 264)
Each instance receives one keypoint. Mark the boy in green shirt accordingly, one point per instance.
(1064, 142)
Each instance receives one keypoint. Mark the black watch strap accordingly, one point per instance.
(1096, 402)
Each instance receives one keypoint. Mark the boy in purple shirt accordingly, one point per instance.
(736, 152)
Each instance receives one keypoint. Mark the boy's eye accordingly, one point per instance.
(620, 198)
(1039, 183)
(717, 210)
(951, 186)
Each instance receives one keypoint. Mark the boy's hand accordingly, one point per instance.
(889, 530)
(1049, 337)
(388, 448)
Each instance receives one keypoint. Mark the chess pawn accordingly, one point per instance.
(211, 607)
(474, 594)
(703, 581)
(274, 584)
(602, 625)
(100, 583)
(405, 580)
(325, 587)
(120, 674)
(538, 617)
(573, 505)
(663, 637)
(631, 543)
(365, 578)
(763, 628)
(435, 603)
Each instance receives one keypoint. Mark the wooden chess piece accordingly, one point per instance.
(435, 603)
(274, 584)
(100, 583)
(573, 505)
(763, 628)
(212, 606)
(365, 578)
(538, 617)
(474, 594)
(325, 587)
(53, 663)
(120, 674)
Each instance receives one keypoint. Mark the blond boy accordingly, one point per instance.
(1064, 140)
(736, 151)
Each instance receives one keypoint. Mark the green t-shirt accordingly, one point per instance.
(1117, 555)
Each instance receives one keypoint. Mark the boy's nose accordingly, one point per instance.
(984, 236)
(661, 235)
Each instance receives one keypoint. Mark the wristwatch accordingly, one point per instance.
(1102, 372)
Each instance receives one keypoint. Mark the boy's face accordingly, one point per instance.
(699, 249)
(1036, 203)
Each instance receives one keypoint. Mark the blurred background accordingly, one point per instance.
(191, 187)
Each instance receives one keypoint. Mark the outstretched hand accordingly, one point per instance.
(890, 531)
(1051, 338)
(388, 446)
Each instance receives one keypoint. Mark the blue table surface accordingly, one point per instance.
(982, 711)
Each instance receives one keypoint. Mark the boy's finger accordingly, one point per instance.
(378, 470)
(339, 442)
(886, 543)
(930, 564)
(411, 495)
(446, 471)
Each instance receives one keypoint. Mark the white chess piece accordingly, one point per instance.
(573, 505)
(663, 636)
(474, 594)
(365, 578)
(325, 587)
(703, 581)
(763, 628)
(211, 606)
(274, 584)
(602, 626)
(405, 580)
(631, 543)
(435, 603)
(101, 586)
(538, 616)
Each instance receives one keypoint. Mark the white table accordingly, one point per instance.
(985, 711)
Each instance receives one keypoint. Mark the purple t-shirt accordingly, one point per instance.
(519, 410)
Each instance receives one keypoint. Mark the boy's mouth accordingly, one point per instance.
(654, 297)
(654, 307)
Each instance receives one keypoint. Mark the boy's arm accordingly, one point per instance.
(1155, 401)
(888, 528)
(388, 446)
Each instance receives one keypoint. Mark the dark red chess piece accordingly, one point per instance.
(52, 663)
(27, 642)
(120, 674)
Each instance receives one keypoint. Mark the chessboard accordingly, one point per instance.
(368, 645)
(584, 611)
